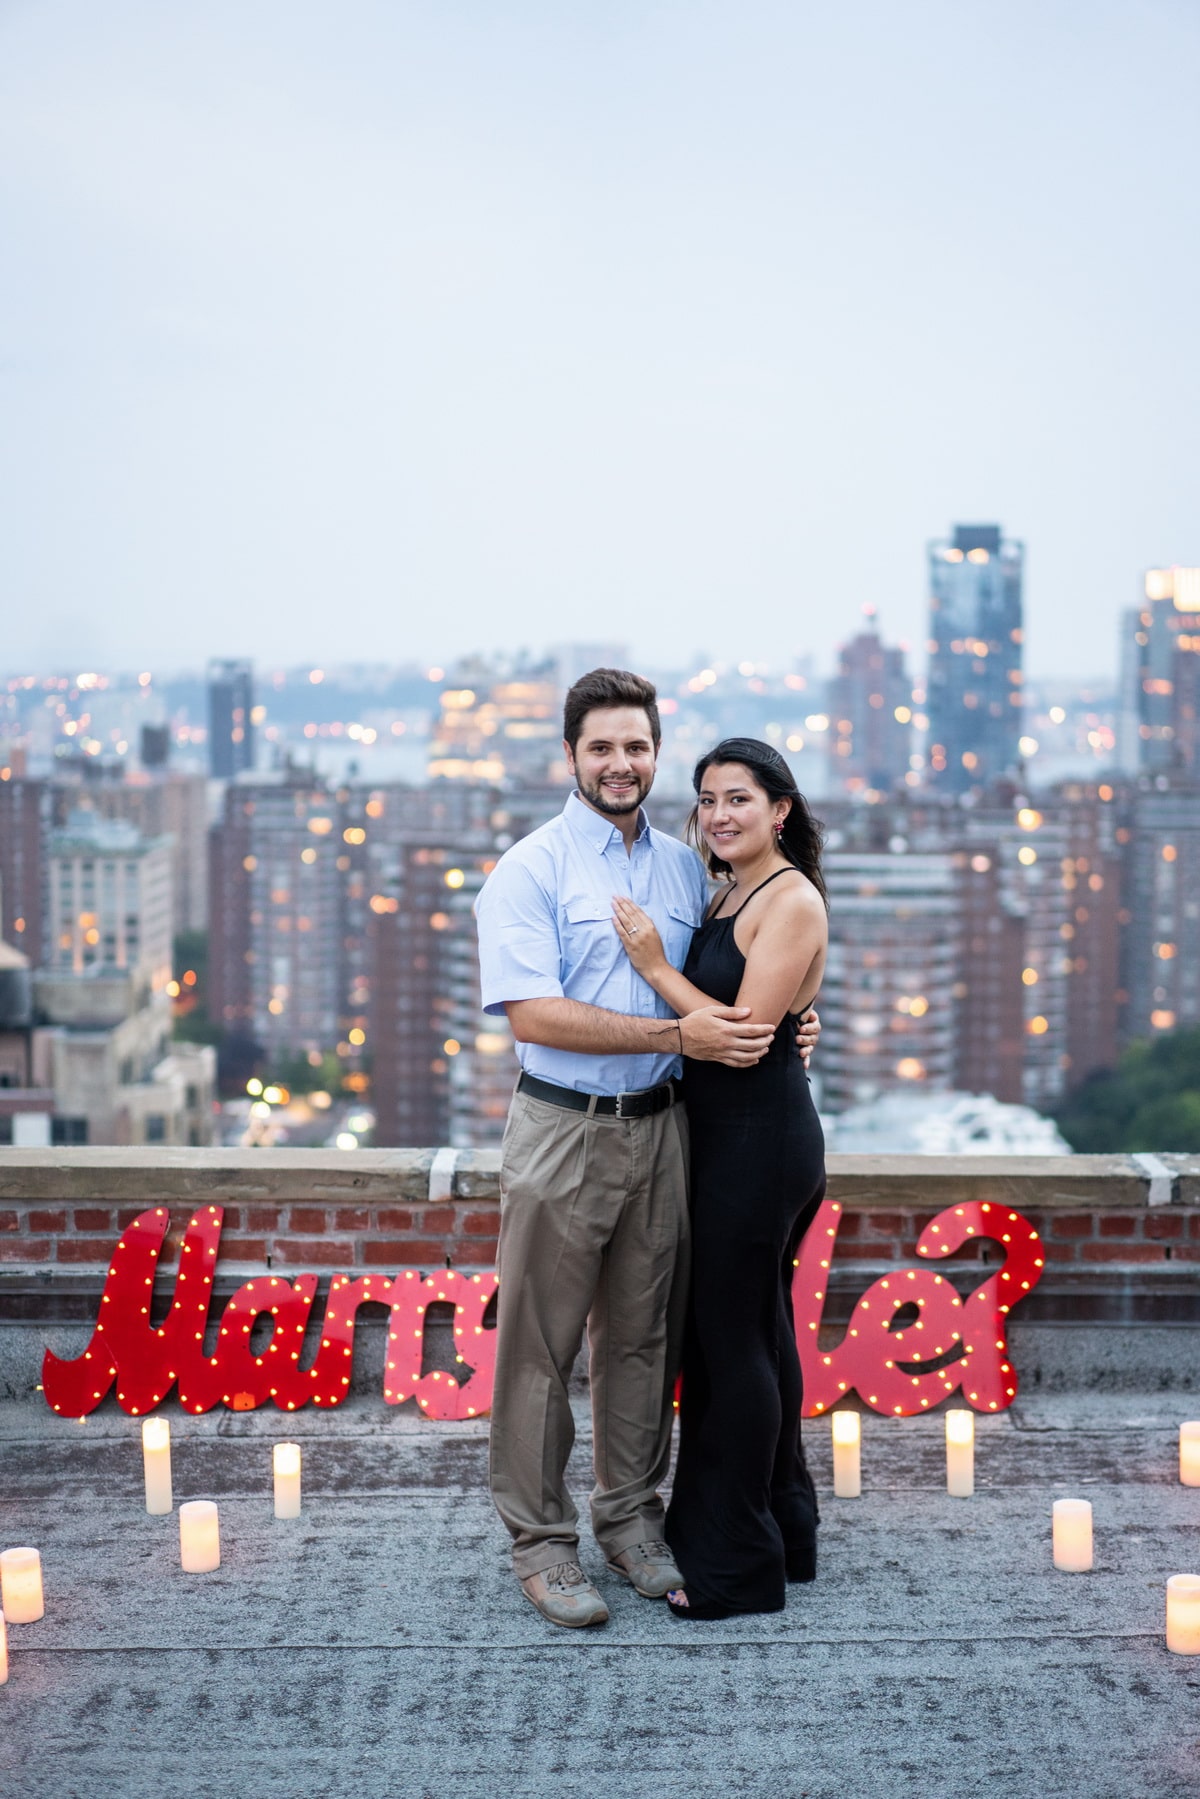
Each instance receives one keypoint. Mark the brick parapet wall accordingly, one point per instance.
(61, 1211)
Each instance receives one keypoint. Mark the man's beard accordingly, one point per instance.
(603, 802)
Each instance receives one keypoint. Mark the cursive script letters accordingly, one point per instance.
(897, 1363)
(951, 1343)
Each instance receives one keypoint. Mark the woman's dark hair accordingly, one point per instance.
(605, 687)
(802, 836)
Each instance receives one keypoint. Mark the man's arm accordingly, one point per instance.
(709, 1034)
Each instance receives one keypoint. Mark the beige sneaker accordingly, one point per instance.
(649, 1568)
(564, 1595)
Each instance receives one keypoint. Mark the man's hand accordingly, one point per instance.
(808, 1034)
(721, 1034)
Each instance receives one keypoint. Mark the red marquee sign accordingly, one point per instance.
(950, 1343)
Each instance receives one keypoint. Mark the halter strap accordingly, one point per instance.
(790, 870)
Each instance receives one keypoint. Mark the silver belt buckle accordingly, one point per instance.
(620, 1105)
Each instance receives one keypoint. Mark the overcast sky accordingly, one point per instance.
(392, 329)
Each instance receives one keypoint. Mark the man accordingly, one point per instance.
(594, 1222)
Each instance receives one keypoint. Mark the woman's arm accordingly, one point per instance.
(789, 933)
(643, 946)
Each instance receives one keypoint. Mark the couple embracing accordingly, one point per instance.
(662, 1042)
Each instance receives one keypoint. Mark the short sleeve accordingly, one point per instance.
(699, 885)
(519, 952)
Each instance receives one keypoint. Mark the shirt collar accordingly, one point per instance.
(596, 829)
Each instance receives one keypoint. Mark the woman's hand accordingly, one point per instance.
(638, 933)
(808, 1034)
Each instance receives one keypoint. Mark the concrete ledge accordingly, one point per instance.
(174, 1176)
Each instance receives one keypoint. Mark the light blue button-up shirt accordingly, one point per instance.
(546, 932)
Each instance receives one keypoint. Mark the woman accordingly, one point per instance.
(743, 1516)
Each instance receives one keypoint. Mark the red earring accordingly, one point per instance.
(779, 827)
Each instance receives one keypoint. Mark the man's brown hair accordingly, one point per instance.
(609, 687)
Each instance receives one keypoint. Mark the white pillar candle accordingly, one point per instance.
(21, 1586)
(199, 1536)
(960, 1454)
(847, 1459)
(1183, 1614)
(156, 1464)
(1189, 1453)
(3, 1651)
(1072, 1535)
(286, 1462)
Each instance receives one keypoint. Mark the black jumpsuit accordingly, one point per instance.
(743, 1514)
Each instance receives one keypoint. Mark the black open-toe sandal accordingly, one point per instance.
(702, 1611)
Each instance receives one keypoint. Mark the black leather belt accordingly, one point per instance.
(615, 1105)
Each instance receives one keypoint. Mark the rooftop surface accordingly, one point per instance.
(378, 1647)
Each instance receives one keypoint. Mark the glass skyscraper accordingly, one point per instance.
(230, 720)
(974, 698)
(1165, 653)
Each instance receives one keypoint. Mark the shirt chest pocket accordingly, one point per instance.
(589, 937)
(680, 924)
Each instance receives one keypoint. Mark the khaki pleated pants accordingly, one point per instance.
(593, 1231)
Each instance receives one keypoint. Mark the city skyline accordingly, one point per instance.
(425, 329)
(1010, 911)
